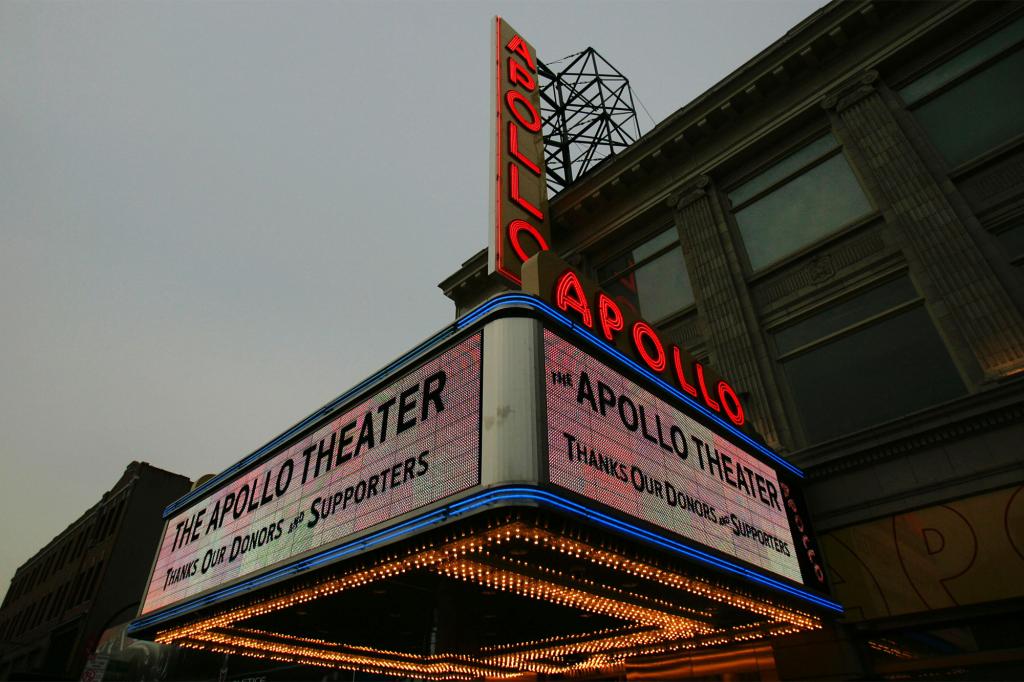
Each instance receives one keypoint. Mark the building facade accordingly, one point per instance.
(838, 228)
(85, 580)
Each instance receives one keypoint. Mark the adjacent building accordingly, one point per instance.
(838, 228)
(86, 579)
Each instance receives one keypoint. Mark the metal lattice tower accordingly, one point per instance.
(588, 115)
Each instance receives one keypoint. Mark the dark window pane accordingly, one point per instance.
(842, 315)
(802, 211)
(787, 166)
(978, 114)
(964, 62)
(657, 288)
(615, 266)
(664, 285)
(93, 580)
(881, 372)
(653, 246)
(1013, 241)
(622, 289)
(637, 254)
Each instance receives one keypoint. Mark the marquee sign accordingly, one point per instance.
(412, 442)
(519, 200)
(431, 442)
(615, 442)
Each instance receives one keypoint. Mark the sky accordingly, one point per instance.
(217, 216)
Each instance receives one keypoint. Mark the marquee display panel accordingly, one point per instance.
(413, 442)
(614, 442)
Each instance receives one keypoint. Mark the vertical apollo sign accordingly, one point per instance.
(519, 199)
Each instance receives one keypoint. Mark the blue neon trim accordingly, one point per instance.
(466, 506)
(405, 359)
(506, 300)
(496, 303)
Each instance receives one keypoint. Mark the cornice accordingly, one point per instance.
(802, 52)
(695, 191)
(814, 47)
(472, 268)
(851, 92)
(988, 410)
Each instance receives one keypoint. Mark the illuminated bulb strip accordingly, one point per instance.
(339, 662)
(889, 647)
(610, 560)
(626, 645)
(490, 662)
(262, 649)
(616, 562)
(353, 580)
(534, 588)
(638, 645)
(559, 639)
(557, 574)
(335, 657)
(655, 626)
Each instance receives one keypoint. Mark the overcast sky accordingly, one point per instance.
(215, 217)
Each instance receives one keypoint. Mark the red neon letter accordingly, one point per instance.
(513, 96)
(513, 148)
(703, 389)
(642, 330)
(677, 360)
(610, 315)
(518, 75)
(734, 411)
(569, 295)
(513, 188)
(518, 45)
(517, 226)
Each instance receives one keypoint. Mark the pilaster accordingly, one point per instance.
(970, 305)
(731, 332)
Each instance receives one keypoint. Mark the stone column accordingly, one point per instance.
(726, 312)
(973, 310)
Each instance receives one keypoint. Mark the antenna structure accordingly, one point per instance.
(588, 113)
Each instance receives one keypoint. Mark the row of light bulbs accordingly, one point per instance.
(654, 625)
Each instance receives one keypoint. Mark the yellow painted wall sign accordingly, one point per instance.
(933, 558)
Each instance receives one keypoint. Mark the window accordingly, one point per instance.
(112, 515)
(60, 605)
(75, 591)
(866, 360)
(55, 605)
(651, 279)
(94, 580)
(44, 603)
(1011, 239)
(975, 101)
(117, 515)
(30, 614)
(809, 195)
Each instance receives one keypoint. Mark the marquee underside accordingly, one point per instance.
(506, 592)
